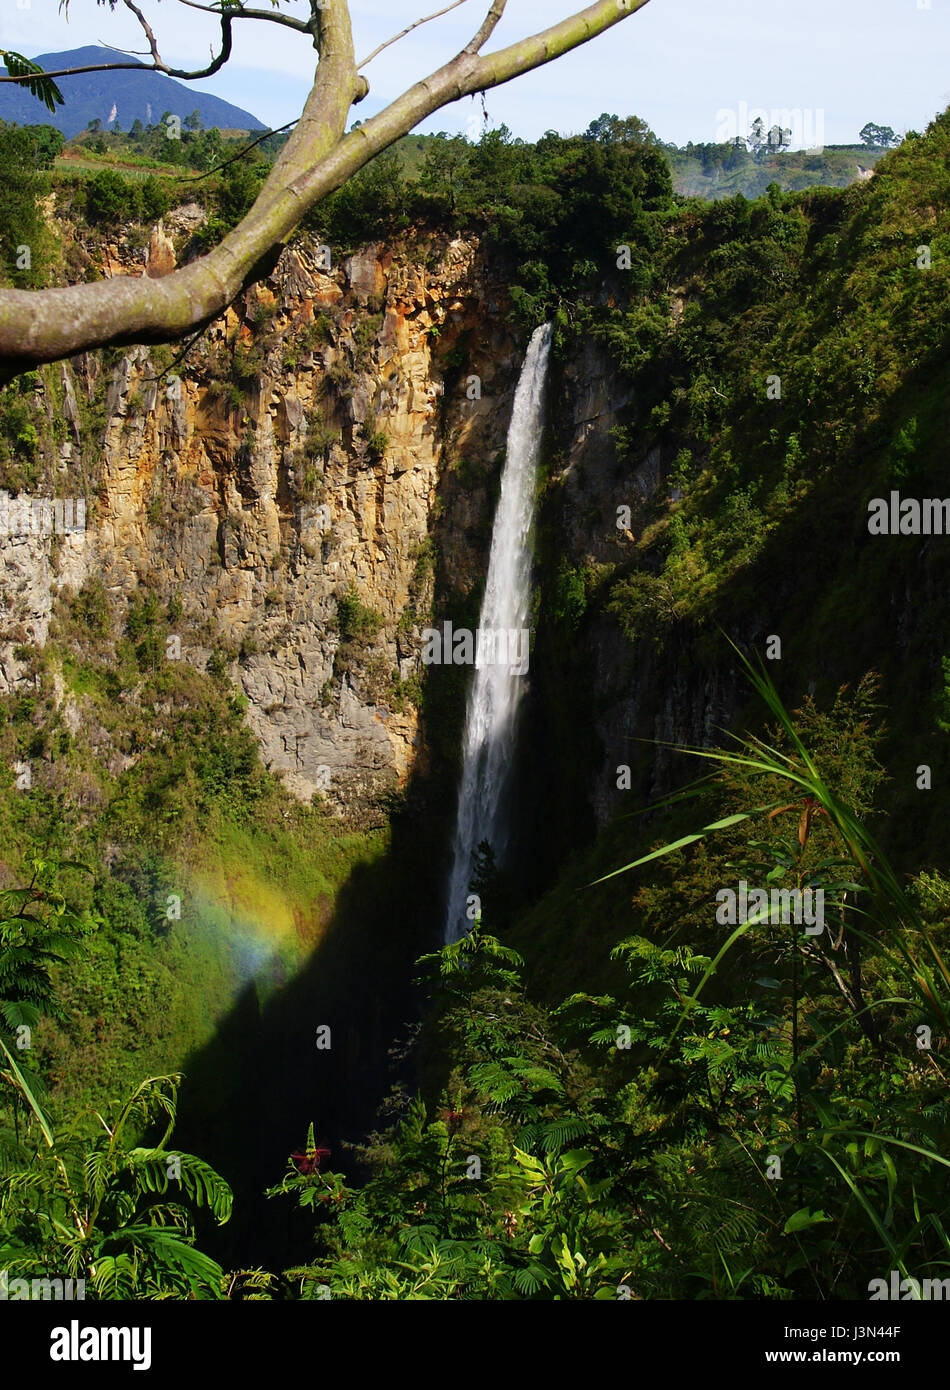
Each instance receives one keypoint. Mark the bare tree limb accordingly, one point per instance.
(147, 30)
(214, 66)
(487, 29)
(46, 325)
(126, 52)
(303, 26)
(91, 67)
(415, 25)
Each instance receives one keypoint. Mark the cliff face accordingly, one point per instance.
(282, 479)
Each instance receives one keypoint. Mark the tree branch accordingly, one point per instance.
(415, 25)
(46, 325)
(303, 26)
(488, 27)
(160, 66)
(147, 30)
(92, 67)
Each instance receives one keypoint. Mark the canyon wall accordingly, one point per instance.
(312, 481)
(280, 481)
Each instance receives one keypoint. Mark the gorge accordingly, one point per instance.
(217, 691)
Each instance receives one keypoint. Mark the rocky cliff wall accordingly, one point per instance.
(283, 479)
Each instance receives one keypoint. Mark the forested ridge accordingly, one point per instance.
(607, 1090)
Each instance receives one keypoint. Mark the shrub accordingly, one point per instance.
(111, 200)
(218, 664)
(377, 443)
(90, 608)
(150, 651)
(142, 614)
(355, 618)
(154, 199)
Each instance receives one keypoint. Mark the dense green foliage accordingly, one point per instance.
(770, 1131)
(26, 156)
(79, 1202)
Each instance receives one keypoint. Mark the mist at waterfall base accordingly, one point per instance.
(491, 715)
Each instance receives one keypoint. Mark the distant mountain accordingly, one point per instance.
(122, 96)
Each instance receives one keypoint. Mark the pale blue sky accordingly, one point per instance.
(680, 64)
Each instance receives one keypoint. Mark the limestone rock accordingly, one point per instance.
(161, 253)
(291, 458)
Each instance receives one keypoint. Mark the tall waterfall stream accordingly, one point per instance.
(501, 644)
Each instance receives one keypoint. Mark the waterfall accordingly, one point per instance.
(497, 685)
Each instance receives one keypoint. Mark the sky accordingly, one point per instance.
(693, 69)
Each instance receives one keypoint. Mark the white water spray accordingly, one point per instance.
(496, 689)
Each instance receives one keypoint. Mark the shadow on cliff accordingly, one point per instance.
(842, 602)
(250, 1094)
